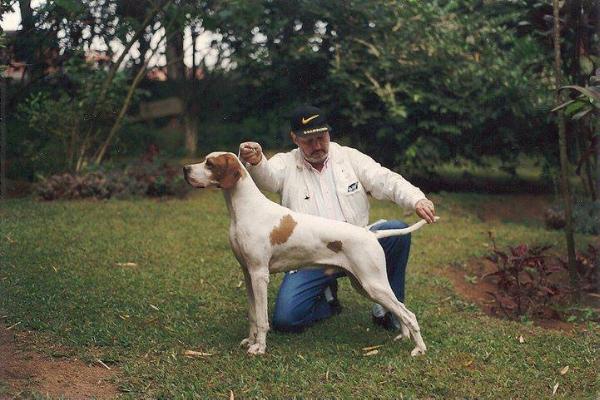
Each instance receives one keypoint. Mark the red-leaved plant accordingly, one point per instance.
(522, 277)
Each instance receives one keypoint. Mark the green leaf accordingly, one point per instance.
(575, 106)
(582, 114)
(590, 91)
(587, 65)
(563, 105)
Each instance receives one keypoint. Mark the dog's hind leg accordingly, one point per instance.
(405, 333)
(409, 322)
(384, 295)
(375, 284)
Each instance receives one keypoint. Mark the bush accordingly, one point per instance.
(586, 217)
(588, 268)
(529, 279)
(141, 179)
(523, 279)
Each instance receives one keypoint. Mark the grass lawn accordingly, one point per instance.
(59, 278)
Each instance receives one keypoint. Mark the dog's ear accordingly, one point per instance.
(227, 170)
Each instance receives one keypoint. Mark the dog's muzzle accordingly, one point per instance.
(186, 172)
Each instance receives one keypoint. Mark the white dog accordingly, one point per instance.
(268, 238)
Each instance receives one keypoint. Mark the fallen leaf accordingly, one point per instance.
(12, 326)
(300, 356)
(468, 363)
(554, 389)
(371, 353)
(239, 285)
(193, 353)
(126, 264)
(372, 347)
(521, 340)
(99, 361)
(327, 376)
(231, 396)
(154, 307)
(564, 370)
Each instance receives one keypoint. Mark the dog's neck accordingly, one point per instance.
(244, 197)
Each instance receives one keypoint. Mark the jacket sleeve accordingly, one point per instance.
(382, 183)
(269, 174)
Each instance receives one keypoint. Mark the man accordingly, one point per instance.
(323, 178)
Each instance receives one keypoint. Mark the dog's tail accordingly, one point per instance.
(400, 232)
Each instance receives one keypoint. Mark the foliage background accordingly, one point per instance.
(414, 84)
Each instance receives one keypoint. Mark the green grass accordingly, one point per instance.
(58, 276)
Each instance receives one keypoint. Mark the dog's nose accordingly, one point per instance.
(186, 170)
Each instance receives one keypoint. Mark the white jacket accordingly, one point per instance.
(355, 174)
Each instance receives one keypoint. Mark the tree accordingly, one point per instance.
(564, 161)
(436, 81)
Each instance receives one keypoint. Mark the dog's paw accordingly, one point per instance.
(247, 342)
(417, 351)
(257, 349)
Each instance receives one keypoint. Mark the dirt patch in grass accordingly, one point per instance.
(23, 372)
(515, 208)
(470, 283)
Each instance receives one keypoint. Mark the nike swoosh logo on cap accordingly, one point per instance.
(307, 120)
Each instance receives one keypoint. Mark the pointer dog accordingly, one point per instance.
(268, 238)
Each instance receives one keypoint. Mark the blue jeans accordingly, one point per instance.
(301, 302)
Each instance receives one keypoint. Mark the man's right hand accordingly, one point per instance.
(250, 152)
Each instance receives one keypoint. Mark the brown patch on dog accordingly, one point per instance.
(281, 233)
(336, 246)
(227, 170)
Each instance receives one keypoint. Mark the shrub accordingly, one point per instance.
(528, 279)
(586, 217)
(588, 268)
(523, 279)
(153, 179)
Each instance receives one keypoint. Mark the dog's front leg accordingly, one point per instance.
(251, 339)
(260, 279)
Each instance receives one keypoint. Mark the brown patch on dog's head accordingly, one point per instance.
(281, 233)
(336, 246)
(225, 169)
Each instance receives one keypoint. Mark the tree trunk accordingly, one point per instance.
(174, 53)
(190, 123)
(184, 87)
(28, 49)
(564, 161)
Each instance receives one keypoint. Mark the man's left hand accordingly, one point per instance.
(425, 209)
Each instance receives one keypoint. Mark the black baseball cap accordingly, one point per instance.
(308, 120)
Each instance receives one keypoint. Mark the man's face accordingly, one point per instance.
(315, 147)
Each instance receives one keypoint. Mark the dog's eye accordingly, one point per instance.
(209, 164)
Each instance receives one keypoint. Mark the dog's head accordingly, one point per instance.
(219, 169)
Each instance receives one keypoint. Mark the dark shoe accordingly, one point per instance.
(336, 307)
(334, 303)
(387, 321)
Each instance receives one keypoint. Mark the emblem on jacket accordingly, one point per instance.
(352, 187)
